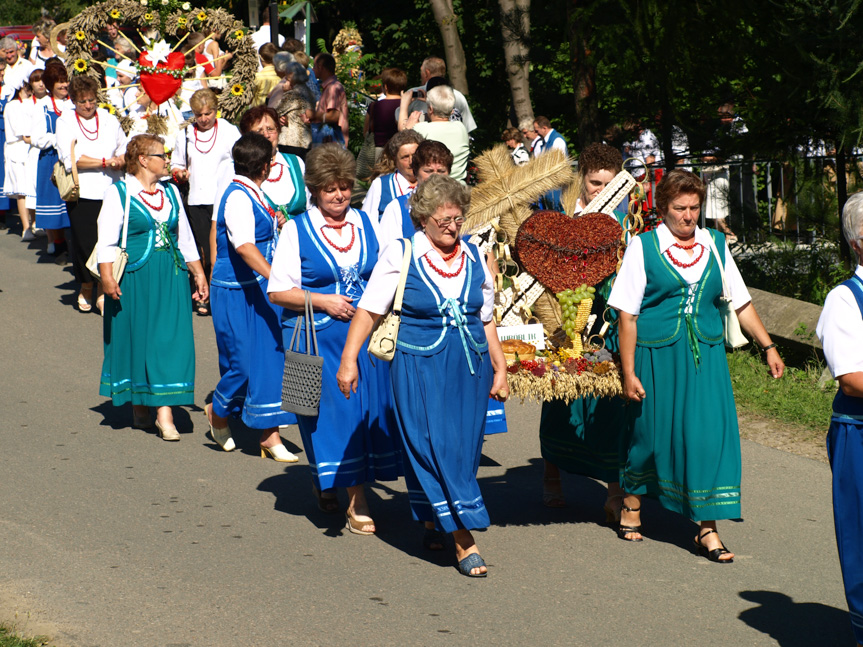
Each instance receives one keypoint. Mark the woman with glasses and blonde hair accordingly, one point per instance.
(149, 342)
(448, 361)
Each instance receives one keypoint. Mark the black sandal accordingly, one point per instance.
(202, 308)
(433, 539)
(711, 555)
(623, 531)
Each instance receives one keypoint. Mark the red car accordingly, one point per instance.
(22, 33)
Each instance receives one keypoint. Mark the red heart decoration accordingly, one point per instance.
(161, 86)
(563, 252)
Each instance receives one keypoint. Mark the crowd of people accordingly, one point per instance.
(257, 224)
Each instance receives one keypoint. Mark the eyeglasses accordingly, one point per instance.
(446, 222)
(164, 156)
(268, 129)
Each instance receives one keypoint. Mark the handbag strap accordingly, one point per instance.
(74, 165)
(307, 321)
(125, 219)
(403, 277)
(726, 293)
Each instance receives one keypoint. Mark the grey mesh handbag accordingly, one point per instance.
(301, 384)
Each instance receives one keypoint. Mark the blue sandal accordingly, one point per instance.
(472, 561)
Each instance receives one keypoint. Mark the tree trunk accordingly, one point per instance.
(515, 25)
(447, 21)
(583, 80)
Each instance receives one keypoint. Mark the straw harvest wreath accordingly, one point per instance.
(162, 66)
(547, 261)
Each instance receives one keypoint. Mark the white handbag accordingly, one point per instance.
(122, 256)
(385, 334)
(734, 337)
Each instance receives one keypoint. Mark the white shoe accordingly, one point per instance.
(27, 236)
(279, 453)
(39, 232)
(167, 432)
(223, 438)
(50, 249)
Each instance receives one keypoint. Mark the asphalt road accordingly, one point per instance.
(111, 537)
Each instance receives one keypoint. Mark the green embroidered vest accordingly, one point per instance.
(141, 239)
(663, 318)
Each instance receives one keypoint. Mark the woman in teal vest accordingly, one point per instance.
(682, 443)
(840, 330)
(149, 345)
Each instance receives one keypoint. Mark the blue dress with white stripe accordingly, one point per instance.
(248, 333)
(441, 376)
(50, 208)
(351, 441)
(845, 450)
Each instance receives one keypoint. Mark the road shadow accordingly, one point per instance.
(121, 417)
(797, 624)
(246, 439)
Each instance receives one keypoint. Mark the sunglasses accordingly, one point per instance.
(162, 155)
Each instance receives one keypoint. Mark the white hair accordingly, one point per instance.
(441, 99)
(7, 42)
(852, 217)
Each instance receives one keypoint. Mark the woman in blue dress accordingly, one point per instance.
(840, 330)
(330, 251)
(448, 361)
(51, 212)
(248, 334)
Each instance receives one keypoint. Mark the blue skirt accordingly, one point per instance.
(251, 357)
(441, 413)
(50, 209)
(845, 449)
(349, 442)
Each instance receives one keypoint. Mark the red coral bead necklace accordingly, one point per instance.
(86, 132)
(211, 141)
(681, 264)
(338, 226)
(447, 275)
(144, 192)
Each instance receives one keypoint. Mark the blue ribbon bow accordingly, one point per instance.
(456, 311)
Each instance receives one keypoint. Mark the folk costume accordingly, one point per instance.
(682, 443)
(441, 376)
(148, 336)
(350, 441)
(384, 190)
(583, 437)
(248, 334)
(50, 208)
(840, 330)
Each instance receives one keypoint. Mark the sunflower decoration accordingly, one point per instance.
(182, 22)
(80, 35)
(202, 16)
(148, 17)
(115, 14)
(80, 66)
(109, 107)
(237, 89)
(240, 34)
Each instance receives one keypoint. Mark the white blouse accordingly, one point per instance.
(204, 158)
(840, 329)
(109, 142)
(286, 272)
(41, 138)
(19, 124)
(381, 290)
(628, 291)
(240, 214)
(390, 226)
(373, 195)
(110, 223)
(280, 191)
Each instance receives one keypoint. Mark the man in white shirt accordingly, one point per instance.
(530, 135)
(430, 68)
(264, 35)
(550, 138)
(16, 66)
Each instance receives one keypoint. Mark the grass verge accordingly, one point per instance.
(795, 399)
(11, 638)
